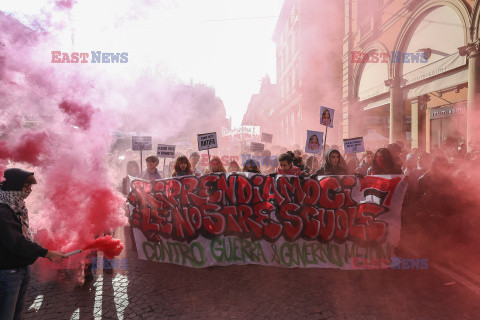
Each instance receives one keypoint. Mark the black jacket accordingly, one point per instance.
(16, 251)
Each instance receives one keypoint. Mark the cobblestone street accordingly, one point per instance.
(149, 290)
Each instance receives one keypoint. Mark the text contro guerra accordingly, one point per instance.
(233, 250)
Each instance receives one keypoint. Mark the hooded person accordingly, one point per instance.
(334, 164)
(17, 249)
(383, 163)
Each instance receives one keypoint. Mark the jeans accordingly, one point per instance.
(13, 286)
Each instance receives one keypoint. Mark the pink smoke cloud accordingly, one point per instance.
(77, 115)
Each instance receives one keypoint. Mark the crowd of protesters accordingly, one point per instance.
(439, 183)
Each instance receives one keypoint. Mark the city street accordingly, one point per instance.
(149, 290)
(273, 159)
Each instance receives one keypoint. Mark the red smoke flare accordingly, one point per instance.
(109, 246)
(78, 115)
(31, 147)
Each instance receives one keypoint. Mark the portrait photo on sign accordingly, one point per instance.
(326, 116)
(314, 142)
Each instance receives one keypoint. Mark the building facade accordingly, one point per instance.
(411, 71)
(262, 106)
(308, 38)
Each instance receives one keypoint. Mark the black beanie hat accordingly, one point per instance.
(15, 179)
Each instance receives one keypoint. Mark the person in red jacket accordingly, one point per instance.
(17, 249)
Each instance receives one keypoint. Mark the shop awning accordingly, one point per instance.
(454, 79)
(377, 103)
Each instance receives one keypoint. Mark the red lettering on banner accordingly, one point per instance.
(312, 225)
(244, 214)
(150, 217)
(257, 197)
(327, 224)
(159, 186)
(232, 225)
(312, 191)
(348, 183)
(188, 187)
(270, 192)
(213, 220)
(341, 227)
(173, 188)
(271, 229)
(159, 197)
(195, 217)
(292, 223)
(182, 223)
(380, 184)
(228, 190)
(261, 207)
(330, 185)
(294, 188)
(244, 190)
(367, 212)
(357, 231)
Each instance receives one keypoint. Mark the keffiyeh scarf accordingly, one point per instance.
(16, 201)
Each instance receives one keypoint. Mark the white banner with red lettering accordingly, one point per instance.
(341, 222)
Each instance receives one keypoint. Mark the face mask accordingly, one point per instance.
(26, 193)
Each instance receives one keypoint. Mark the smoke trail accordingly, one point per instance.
(63, 140)
(51, 124)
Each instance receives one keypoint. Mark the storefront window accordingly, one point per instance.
(448, 126)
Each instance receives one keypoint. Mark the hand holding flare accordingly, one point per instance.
(109, 246)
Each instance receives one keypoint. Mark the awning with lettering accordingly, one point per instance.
(448, 81)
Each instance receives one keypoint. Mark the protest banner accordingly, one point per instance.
(246, 218)
(353, 145)
(314, 142)
(166, 151)
(207, 141)
(267, 137)
(241, 134)
(256, 147)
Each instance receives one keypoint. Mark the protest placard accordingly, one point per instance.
(256, 147)
(141, 143)
(166, 151)
(207, 141)
(267, 137)
(314, 142)
(326, 116)
(353, 145)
